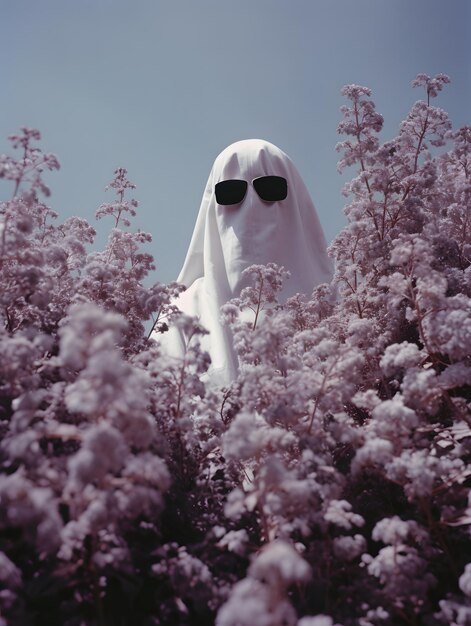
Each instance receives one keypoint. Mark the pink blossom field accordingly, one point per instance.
(326, 485)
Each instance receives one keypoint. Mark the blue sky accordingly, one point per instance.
(161, 87)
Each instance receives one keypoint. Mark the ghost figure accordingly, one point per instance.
(230, 236)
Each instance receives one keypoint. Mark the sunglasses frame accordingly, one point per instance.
(246, 187)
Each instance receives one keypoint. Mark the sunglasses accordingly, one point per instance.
(269, 188)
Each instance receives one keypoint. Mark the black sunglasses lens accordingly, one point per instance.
(230, 191)
(271, 188)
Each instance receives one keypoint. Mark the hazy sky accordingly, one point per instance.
(162, 86)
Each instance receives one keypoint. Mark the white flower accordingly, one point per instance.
(349, 548)
(465, 581)
(318, 620)
(339, 513)
(279, 564)
(252, 603)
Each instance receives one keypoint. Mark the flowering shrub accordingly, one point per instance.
(327, 485)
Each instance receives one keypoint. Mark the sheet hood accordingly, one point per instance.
(228, 239)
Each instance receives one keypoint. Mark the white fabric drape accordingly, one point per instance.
(228, 239)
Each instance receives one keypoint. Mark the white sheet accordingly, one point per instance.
(228, 239)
